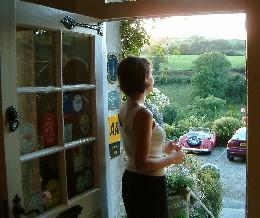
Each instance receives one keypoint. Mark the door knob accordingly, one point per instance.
(12, 117)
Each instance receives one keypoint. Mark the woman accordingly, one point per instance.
(144, 182)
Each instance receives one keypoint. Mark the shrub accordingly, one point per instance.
(179, 176)
(210, 108)
(169, 130)
(236, 91)
(171, 79)
(240, 70)
(177, 182)
(225, 127)
(211, 190)
(205, 182)
(169, 114)
(156, 102)
(182, 126)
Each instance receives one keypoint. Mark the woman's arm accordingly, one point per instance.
(170, 146)
(143, 128)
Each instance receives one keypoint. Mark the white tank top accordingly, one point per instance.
(129, 142)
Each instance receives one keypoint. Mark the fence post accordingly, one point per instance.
(188, 205)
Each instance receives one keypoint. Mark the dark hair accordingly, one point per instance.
(132, 72)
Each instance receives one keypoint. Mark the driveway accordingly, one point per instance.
(233, 178)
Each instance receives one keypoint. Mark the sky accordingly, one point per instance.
(215, 26)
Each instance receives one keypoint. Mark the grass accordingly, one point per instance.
(184, 62)
(180, 94)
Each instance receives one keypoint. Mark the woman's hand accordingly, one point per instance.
(170, 146)
(177, 156)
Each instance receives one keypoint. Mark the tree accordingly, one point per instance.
(210, 74)
(133, 37)
(236, 91)
(158, 56)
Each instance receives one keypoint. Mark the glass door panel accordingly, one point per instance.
(56, 102)
(41, 183)
(76, 59)
(39, 102)
(38, 121)
(77, 109)
(80, 169)
(35, 57)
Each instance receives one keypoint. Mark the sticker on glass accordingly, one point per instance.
(89, 177)
(80, 184)
(53, 187)
(49, 129)
(78, 160)
(67, 103)
(77, 103)
(27, 138)
(84, 124)
(67, 132)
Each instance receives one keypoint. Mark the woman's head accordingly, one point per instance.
(134, 75)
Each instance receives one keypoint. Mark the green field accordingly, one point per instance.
(179, 94)
(184, 62)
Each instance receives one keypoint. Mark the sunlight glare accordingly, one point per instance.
(214, 26)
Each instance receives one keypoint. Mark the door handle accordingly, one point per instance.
(12, 117)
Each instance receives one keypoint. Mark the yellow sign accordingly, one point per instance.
(113, 124)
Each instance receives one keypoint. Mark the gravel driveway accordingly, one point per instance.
(233, 178)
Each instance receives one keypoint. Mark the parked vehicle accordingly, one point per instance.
(237, 145)
(198, 140)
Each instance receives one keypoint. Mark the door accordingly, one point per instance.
(56, 152)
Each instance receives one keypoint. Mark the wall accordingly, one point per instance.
(115, 164)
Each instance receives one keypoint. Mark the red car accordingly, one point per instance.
(198, 140)
(237, 146)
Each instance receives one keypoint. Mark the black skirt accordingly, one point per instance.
(144, 196)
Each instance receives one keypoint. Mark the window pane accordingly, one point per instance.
(80, 172)
(35, 57)
(77, 107)
(76, 61)
(38, 121)
(41, 183)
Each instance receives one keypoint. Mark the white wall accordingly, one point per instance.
(115, 168)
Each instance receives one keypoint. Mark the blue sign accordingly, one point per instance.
(67, 103)
(112, 64)
(113, 100)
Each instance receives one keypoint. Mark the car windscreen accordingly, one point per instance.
(240, 134)
(199, 134)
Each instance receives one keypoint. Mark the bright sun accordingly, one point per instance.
(214, 26)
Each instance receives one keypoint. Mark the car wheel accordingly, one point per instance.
(194, 141)
(230, 158)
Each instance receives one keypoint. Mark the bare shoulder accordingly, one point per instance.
(122, 110)
(143, 116)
